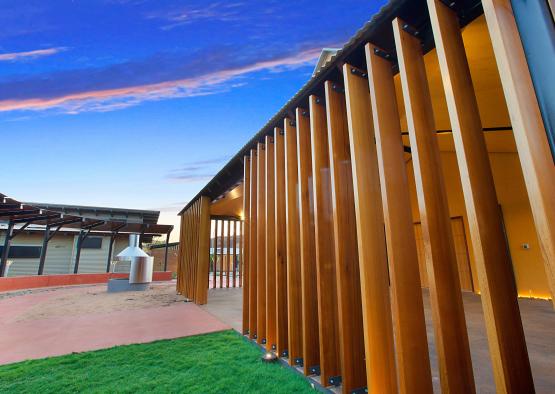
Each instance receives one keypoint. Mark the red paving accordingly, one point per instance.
(53, 336)
(35, 281)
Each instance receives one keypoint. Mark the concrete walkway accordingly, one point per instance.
(226, 305)
(46, 323)
(538, 320)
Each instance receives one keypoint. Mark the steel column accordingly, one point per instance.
(112, 240)
(109, 260)
(78, 252)
(5, 251)
(166, 251)
(43, 250)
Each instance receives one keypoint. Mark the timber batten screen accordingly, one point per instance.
(416, 158)
(225, 253)
(193, 259)
(202, 260)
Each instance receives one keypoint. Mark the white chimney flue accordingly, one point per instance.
(141, 263)
(132, 250)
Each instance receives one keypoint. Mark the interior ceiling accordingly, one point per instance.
(487, 85)
(231, 204)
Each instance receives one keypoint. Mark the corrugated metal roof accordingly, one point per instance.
(377, 30)
(25, 214)
(147, 216)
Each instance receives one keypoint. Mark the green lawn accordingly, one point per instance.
(222, 362)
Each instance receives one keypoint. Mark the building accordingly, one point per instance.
(98, 249)
(158, 251)
(420, 155)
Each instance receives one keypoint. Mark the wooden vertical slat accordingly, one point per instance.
(214, 274)
(180, 253)
(221, 260)
(223, 254)
(192, 266)
(445, 292)
(203, 269)
(491, 253)
(223, 270)
(242, 269)
(187, 250)
(190, 255)
(282, 334)
(187, 271)
(374, 275)
(351, 333)
(270, 255)
(311, 341)
(245, 241)
(253, 247)
(228, 261)
(212, 244)
(294, 293)
(194, 263)
(413, 360)
(194, 232)
(528, 128)
(235, 263)
(190, 286)
(261, 245)
(193, 253)
(325, 252)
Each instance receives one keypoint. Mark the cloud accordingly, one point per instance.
(89, 90)
(197, 171)
(16, 56)
(172, 207)
(191, 178)
(219, 11)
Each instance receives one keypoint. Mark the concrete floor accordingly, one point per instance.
(226, 305)
(537, 315)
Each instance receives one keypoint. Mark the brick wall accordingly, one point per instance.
(158, 255)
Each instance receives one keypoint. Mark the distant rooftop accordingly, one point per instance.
(105, 213)
(325, 57)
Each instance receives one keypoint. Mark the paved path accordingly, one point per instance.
(26, 334)
(226, 305)
(538, 320)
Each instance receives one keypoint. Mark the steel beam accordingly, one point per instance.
(14, 212)
(35, 218)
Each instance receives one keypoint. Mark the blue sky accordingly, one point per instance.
(138, 103)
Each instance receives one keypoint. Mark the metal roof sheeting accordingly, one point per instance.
(19, 212)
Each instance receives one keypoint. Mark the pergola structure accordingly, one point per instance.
(19, 216)
(435, 113)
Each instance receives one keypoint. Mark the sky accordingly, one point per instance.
(138, 103)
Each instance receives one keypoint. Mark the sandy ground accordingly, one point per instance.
(49, 322)
(95, 299)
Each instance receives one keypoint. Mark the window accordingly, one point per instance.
(23, 252)
(92, 243)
